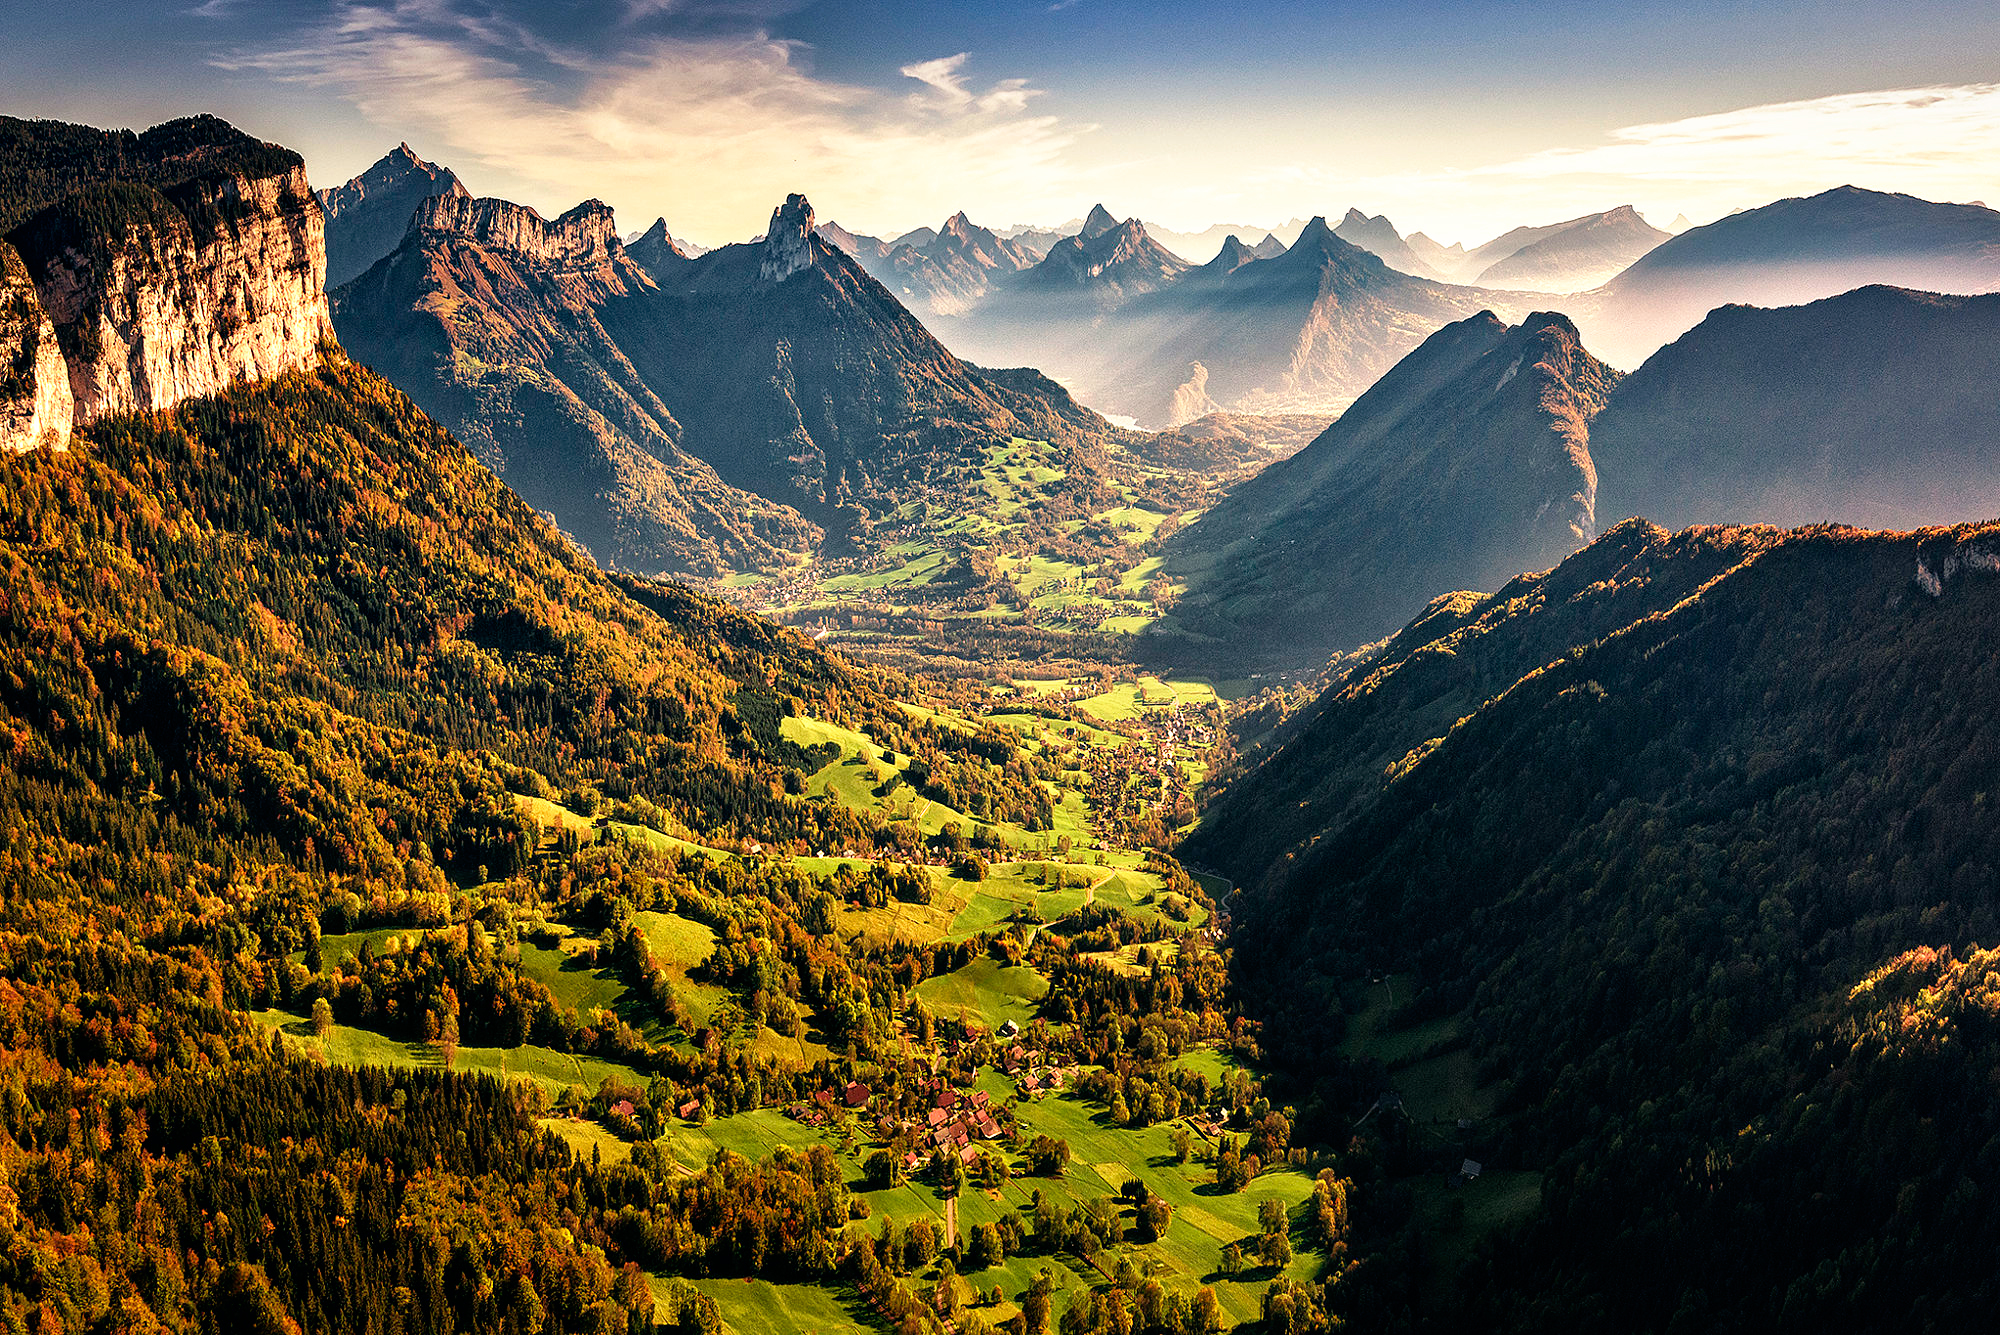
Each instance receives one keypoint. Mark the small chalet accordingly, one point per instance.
(937, 1117)
(856, 1094)
(967, 1154)
(623, 1108)
(689, 1109)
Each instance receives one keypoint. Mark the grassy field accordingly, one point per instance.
(759, 1307)
(573, 983)
(347, 1045)
(986, 991)
(553, 817)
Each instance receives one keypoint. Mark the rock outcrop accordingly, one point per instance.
(186, 260)
(36, 406)
(788, 245)
(586, 235)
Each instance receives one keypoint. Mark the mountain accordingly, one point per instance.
(490, 318)
(367, 217)
(145, 269)
(1794, 251)
(1269, 248)
(1676, 855)
(1466, 463)
(1446, 260)
(656, 250)
(1583, 253)
(1487, 452)
(1483, 257)
(1379, 237)
(945, 275)
(1108, 262)
(864, 248)
(1680, 224)
(805, 380)
(1878, 407)
(1097, 222)
(697, 415)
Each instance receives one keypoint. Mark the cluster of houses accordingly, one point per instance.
(955, 1123)
(854, 1096)
(1031, 1078)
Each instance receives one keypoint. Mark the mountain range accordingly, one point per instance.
(1794, 251)
(1489, 451)
(685, 414)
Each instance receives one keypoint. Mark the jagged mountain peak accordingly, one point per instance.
(1098, 223)
(788, 242)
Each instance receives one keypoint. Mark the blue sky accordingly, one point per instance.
(1458, 118)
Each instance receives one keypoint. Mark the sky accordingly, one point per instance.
(1458, 119)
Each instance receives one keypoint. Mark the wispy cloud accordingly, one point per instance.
(709, 131)
(1907, 133)
(1939, 142)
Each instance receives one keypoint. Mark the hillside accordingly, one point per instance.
(1466, 464)
(1879, 407)
(314, 652)
(492, 320)
(1794, 251)
(1659, 884)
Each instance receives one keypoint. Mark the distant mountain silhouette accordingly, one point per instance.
(1578, 255)
(1793, 251)
(1379, 236)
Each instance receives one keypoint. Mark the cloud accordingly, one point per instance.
(1938, 142)
(709, 131)
(949, 93)
(1905, 133)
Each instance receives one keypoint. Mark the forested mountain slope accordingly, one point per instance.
(1467, 463)
(281, 657)
(1643, 825)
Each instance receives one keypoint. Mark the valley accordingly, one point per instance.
(1094, 779)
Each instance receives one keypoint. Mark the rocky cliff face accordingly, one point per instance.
(586, 235)
(160, 294)
(36, 406)
(788, 245)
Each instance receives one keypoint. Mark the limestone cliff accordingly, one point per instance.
(586, 235)
(190, 259)
(789, 243)
(36, 407)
